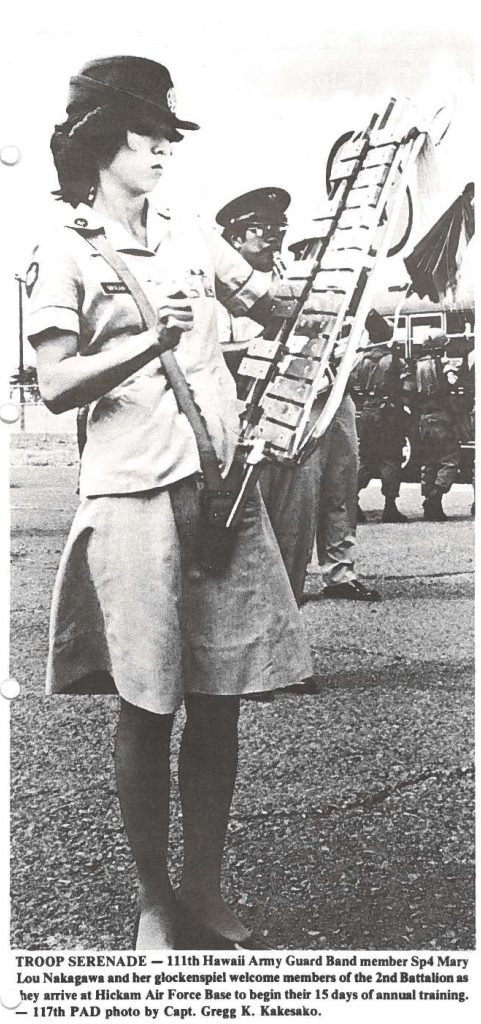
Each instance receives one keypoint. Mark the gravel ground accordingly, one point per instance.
(352, 824)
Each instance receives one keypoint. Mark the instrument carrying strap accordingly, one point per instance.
(185, 401)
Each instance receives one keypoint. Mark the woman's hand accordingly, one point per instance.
(67, 382)
(174, 316)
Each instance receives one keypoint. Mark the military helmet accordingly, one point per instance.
(434, 338)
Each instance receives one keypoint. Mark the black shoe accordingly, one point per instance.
(391, 513)
(361, 516)
(433, 511)
(195, 934)
(354, 591)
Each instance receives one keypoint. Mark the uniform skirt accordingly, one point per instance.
(126, 608)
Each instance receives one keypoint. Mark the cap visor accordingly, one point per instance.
(186, 126)
(171, 127)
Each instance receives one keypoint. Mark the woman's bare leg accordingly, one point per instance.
(207, 773)
(143, 780)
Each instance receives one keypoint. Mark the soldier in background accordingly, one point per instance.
(460, 372)
(458, 367)
(318, 499)
(255, 225)
(438, 430)
(383, 382)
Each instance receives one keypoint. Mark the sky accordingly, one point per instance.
(272, 86)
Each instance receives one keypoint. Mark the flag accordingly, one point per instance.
(434, 262)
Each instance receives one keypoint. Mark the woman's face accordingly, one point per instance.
(140, 162)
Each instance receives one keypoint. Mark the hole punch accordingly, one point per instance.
(10, 688)
(10, 155)
(9, 412)
(11, 998)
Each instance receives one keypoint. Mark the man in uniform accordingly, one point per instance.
(319, 498)
(383, 382)
(439, 436)
(255, 225)
(458, 367)
(460, 373)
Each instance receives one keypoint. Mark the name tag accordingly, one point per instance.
(115, 288)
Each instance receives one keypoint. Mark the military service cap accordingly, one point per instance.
(261, 204)
(127, 83)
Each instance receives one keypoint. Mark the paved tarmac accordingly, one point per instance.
(352, 824)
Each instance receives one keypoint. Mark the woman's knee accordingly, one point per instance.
(211, 727)
(212, 710)
(143, 721)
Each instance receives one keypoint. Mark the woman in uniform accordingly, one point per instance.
(132, 613)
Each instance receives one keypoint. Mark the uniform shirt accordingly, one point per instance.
(432, 387)
(382, 379)
(235, 333)
(136, 437)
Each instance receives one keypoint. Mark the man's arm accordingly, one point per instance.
(261, 311)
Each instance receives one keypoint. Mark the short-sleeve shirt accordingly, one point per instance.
(235, 333)
(136, 437)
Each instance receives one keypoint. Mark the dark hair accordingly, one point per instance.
(88, 140)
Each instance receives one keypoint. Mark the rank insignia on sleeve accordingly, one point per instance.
(31, 278)
(115, 288)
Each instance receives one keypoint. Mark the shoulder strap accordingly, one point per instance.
(170, 366)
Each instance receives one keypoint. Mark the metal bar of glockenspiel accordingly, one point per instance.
(336, 392)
